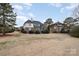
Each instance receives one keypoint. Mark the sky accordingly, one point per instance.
(42, 11)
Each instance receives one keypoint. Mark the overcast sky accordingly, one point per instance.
(42, 11)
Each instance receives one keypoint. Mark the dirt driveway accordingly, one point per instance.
(39, 45)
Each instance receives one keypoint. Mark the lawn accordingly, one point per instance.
(19, 44)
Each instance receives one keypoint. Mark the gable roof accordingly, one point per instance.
(28, 21)
(37, 22)
(58, 23)
(34, 22)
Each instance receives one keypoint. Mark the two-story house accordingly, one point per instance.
(31, 25)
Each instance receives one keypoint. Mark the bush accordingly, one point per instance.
(31, 32)
(22, 30)
(64, 30)
(17, 29)
(74, 31)
(37, 32)
(45, 31)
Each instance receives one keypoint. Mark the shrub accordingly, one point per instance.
(74, 31)
(31, 32)
(17, 29)
(37, 32)
(63, 30)
(45, 31)
(22, 30)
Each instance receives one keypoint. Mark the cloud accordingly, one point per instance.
(71, 6)
(19, 12)
(31, 15)
(21, 17)
(17, 7)
(20, 20)
(56, 4)
(27, 4)
(21, 6)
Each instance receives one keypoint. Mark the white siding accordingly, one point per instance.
(28, 25)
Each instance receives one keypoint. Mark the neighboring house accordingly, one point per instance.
(28, 26)
(34, 26)
(37, 26)
(56, 27)
(76, 22)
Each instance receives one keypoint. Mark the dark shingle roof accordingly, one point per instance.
(37, 22)
(34, 22)
(28, 21)
(58, 23)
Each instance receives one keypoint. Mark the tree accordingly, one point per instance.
(47, 24)
(49, 21)
(7, 17)
(76, 15)
(76, 12)
(68, 23)
(75, 31)
(69, 20)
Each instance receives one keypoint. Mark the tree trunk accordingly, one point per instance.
(3, 26)
(3, 22)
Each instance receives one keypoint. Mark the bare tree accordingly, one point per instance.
(76, 12)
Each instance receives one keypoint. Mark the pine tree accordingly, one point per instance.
(7, 17)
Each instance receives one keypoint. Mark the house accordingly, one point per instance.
(34, 26)
(37, 26)
(28, 26)
(56, 27)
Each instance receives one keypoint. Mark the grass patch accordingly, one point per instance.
(6, 44)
